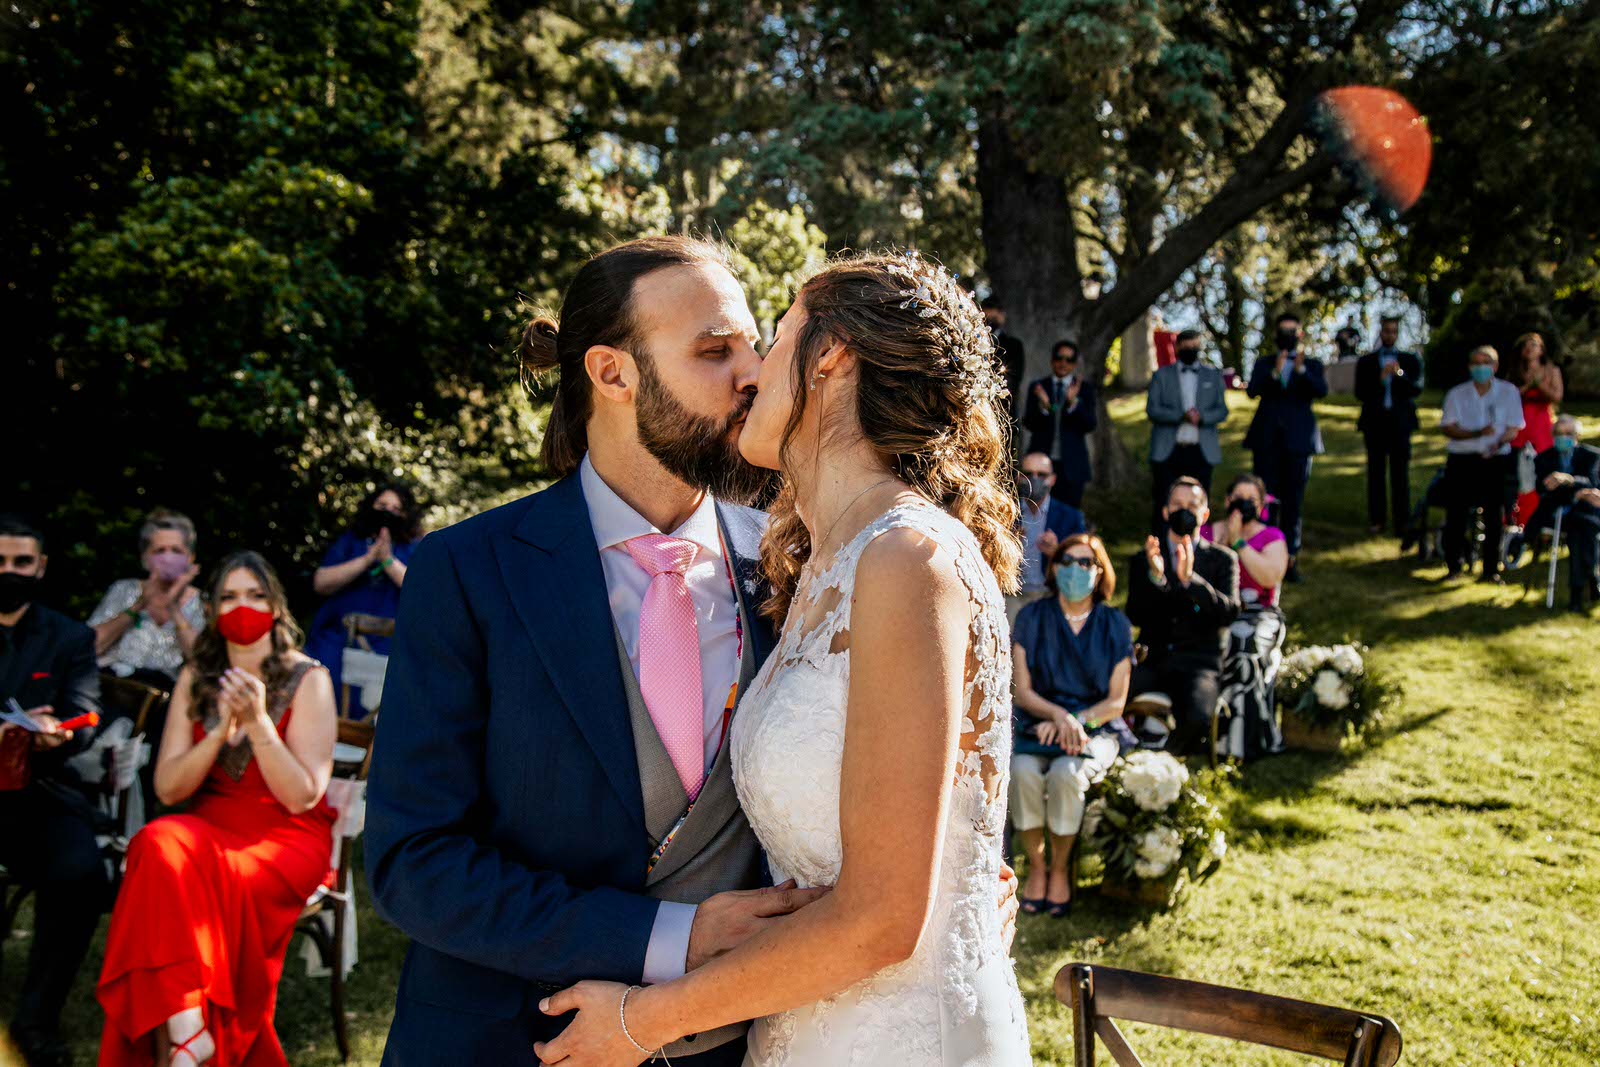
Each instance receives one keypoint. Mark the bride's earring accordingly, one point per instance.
(814, 379)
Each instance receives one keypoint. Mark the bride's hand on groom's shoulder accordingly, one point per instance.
(728, 920)
(595, 1037)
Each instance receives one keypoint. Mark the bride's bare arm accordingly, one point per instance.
(908, 639)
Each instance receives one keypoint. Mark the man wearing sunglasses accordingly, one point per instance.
(1060, 416)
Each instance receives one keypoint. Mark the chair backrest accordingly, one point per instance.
(138, 697)
(1100, 994)
(358, 628)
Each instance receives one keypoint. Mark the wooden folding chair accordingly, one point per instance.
(358, 628)
(1097, 995)
(137, 697)
(333, 901)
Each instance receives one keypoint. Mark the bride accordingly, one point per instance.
(871, 752)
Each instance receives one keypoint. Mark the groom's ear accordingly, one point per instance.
(613, 372)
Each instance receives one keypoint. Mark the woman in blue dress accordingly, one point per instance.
(362, 574)
(1072, 657)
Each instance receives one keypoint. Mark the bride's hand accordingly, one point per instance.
(595, 1037)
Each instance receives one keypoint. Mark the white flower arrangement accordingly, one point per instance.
(1331, 686)
(1152, 820)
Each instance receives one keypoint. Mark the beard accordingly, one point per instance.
(701, 451)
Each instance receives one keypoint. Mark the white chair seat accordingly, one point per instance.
(345, 753)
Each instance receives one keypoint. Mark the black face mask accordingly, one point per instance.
(17, 590)
(1187, 356)
(1248, 512)
(1183, 523)
(1287, 339)
(367, 525)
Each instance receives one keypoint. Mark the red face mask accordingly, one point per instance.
(244, 625)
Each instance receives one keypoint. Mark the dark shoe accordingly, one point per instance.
(1292, 575)
(1031, 907)
(1060, 911)
(1452, 571)
(1491, 578)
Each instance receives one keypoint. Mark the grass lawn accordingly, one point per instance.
(1444, 874)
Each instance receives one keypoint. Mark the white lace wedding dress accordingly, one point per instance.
(955, 1001)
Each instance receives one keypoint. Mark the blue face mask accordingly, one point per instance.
(1074, 581)
(1565, 443)
(1482, 374)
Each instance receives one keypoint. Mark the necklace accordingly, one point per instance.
(853, 501)
(1078, 618)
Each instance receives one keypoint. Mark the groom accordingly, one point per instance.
(551, 798)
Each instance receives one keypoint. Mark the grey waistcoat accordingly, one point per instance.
(715, 850)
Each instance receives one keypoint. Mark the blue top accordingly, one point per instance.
(1072, 669)
(369, 594)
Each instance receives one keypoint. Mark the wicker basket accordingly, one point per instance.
(1310, 737)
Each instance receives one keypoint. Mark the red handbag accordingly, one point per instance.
(16, 749)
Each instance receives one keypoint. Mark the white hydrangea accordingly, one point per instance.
(1092, 815)
(1154, 779)
(1159, 849)
(1219, 844)
(1346, 660)
(1330, 690)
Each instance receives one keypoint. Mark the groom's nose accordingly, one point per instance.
(746, 366)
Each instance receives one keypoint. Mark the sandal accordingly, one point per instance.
(1031, 907)
(183, 1049)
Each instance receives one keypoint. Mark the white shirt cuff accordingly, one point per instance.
(667, 955)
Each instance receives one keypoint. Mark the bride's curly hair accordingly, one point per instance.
(929, 398)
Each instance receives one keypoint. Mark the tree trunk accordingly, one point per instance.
(1138, 354)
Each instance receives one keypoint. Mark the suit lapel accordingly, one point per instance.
(552, 568)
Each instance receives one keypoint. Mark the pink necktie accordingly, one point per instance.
(669, 655)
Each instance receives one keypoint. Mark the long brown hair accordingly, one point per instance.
(928, 398)
(209, 656)
(596, 310)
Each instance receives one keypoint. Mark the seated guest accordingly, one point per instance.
(1256, 635)
(1060, 415)
(1045, 522)
(1567, 475)
(1072, 656)
(1183, 593)
(144, 627)
(362, 575)
(210, 897)
(48, 844)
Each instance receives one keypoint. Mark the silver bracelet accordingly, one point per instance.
(622, 1017)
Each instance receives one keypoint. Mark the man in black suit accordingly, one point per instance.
(48, 838)
(1568, 476)
(1283, 432)
(1183, 592)
(1387, 383)
(1008, 348)
(1059, 416)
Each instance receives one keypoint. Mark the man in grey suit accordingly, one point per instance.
(1185, 404)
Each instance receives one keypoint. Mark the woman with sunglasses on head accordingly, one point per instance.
(1072, 658)
(211, 897)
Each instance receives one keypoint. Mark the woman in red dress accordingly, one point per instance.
(1542, 389)
(210, 898)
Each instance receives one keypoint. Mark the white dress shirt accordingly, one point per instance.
(716, 612)
(1189, 383)
(1500, 407)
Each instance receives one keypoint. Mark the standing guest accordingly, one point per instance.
(1542, 388)
(1284, 434)
(1060, 416)
(1045, 523)
(145, 627)
(362, 575)
(211, 897)
(1186, 403)
(1008, 348)
(1481, 417)
(1387, 383)
(1568, 476)
(47, 666)
(1072, 658)
(1183, 593)
(1346, 340)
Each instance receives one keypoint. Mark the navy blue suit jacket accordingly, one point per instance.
(1284, 419)
(505, 826)
(1076, 425)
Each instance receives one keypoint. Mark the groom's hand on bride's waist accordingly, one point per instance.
(728, 920)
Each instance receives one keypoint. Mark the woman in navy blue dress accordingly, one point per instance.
(1072, 657)
(362, 574)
